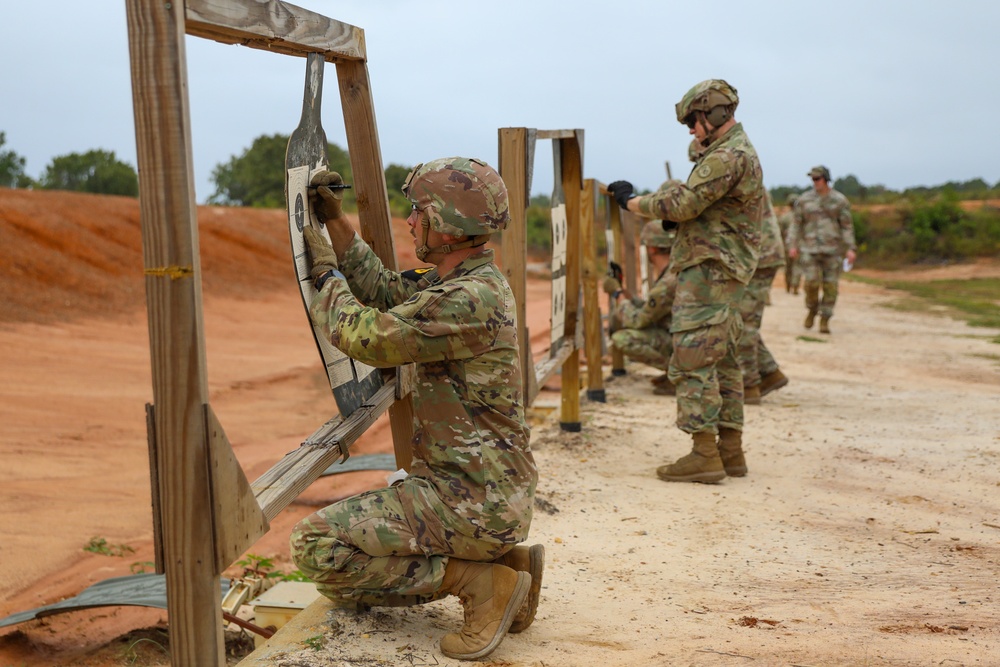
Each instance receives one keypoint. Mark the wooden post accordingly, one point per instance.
(591, 306)
(615, 222)
(177, 346)
(373, 212)
(516, 156)
(572, 183)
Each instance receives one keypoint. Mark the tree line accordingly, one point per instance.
(921, 224)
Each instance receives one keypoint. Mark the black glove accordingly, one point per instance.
(622, 191)
(668, 225)
(615, 271)
(326, 200)
(322, 257)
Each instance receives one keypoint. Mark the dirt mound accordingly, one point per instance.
(65, 255)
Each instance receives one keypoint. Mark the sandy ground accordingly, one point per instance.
(867, 532)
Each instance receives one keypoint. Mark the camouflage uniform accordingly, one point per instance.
(755, 358)
(793, 274)
(719, 213)
(644, 326)
(822, 231)
(471, 485)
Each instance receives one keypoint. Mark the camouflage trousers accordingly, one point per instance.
(793, 273)
(821, 271)
(704, 368)
(388, 547)
(652, 346)
(755, 358)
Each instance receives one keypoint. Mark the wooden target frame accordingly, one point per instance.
(205, 512)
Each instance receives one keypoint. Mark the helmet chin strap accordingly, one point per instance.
(424, 251)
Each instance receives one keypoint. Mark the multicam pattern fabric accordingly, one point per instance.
(822, 224)
(755, 359)
(473, 477)
(460, 196)
(793, 276)
(643, 327)
(772, 247)
(719, 209)
(821, 271)
(704, 367)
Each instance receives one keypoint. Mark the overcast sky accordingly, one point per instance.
(898, 93)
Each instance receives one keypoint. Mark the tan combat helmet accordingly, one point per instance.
(457, 196)
(713, 99)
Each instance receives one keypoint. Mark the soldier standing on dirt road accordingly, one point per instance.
(718, 218)
(793, 276)
(451, 526)
(820, 237)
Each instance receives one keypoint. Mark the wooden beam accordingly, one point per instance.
(276, 26)
(555, 134)
(593, 336)
(516, 145)
(290, 476)
(177, 344)
(372, 198)
(572, 183)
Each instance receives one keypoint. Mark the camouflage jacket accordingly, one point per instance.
(785, 221)
(822, 224)
(772, 248)
(655, 310)
(471, 437)
(719, 209)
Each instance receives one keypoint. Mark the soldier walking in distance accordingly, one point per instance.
(453, 525)
(793, 276)
(644, 325)
(820, 237)
(717, 213)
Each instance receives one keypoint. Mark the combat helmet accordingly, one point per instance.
(457, 196)
(819, 171)
(713, 97)
(654, 236)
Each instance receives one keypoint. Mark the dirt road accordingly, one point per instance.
(867, 532)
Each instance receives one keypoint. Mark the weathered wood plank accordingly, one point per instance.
(276, 26)
(556, 134)
(177, 345)
(544, 370)
(572, 182)
(593, 335)
(515, 147)
(290, 476)
(373, 211)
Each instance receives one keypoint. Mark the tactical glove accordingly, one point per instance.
(322, 257)
(326, 200)
(622, 191)
(615, 271)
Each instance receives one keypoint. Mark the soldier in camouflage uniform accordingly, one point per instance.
(644, 326)
(793, 276)
(821, 235)
(761, 374)
(718, 217)
(451, 526)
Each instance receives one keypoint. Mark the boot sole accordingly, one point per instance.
(536, 560)
(517, 599)
(700, 477)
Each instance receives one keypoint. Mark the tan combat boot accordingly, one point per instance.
(491, 596)
(772, 382)
(703, 464)
(659, 379)
(531, 560)
(665, 389)
(824, 325)
(731, 451)
(751, 395)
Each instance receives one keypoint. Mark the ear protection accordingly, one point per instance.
(719, 115)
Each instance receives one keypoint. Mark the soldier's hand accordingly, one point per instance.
(612, 285)
(322, 257)
(622, 191)
(325, 200)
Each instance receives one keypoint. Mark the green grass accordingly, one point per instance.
(976, 300)
(811, 339)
